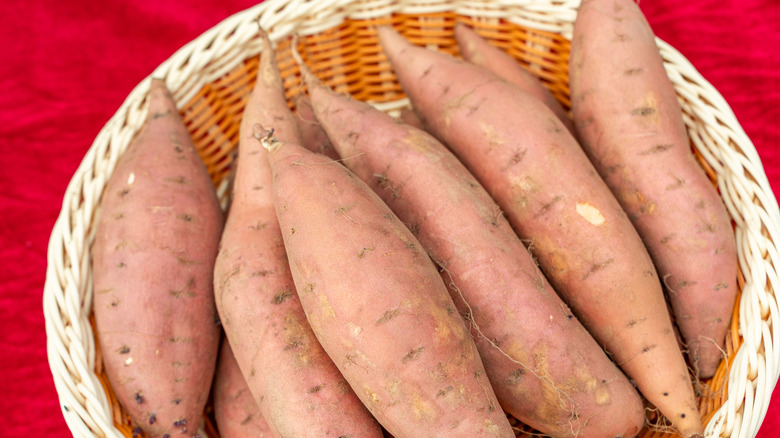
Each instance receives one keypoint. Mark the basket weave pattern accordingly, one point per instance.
(212, 76)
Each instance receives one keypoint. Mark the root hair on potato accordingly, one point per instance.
(562, 395)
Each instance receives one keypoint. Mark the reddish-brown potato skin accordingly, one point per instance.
(556, 201)
(631, 125)
(153, 259)
(520, 321)
(298, 388)
(235, 410)
(313, 137)
(478, 51)
(377, 304)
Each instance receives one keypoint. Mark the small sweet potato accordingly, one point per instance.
(545, 368)
(298, 388)
(235, 410)
(478, 51)
(377, 304)
(631, 125)
(153, 259)
(556, 201)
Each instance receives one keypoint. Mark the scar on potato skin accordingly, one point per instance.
(657, 148)
(282, 296)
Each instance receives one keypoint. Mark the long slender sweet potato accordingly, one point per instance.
(377, 303)
(153, 258)
(562, 388)
(297, 386)
(554, 198)
(235, 410)
(631, 125)
(478, 51)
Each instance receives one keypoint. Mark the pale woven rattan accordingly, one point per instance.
(211, 77)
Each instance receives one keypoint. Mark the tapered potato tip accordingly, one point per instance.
(160, 99)
(391, 41)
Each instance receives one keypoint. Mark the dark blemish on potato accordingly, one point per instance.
(139, 398)
(178, 149)
(166, 436)
(123, 193)
(65, 408)
(388, 216)
(621, 37)
(414, 228)
(515, 376)
(121, 265)
(385, 183)
(177, 180)
(261, 273)
(185, 217)
(425, 73)
(180, 423)
(597, 267)
(282, 296)
(473, 108)
(187, 262)
(119, 216)
(682, 415)
(656, 149)
(701, 205)
(124, 349)
(614, 168)
(445, 89)
(292, 230)
(634, 322)
(176, 340)
(246, 420)
(364, 251)
(412, 354)
(161, 115)
(545, 208)
(353, 136)
(443, 392)
(315, 389)
(152, 419)
(666, 239)
(309, 288)
(643, 111)
(217, 321)
(678, 183)
(633, 71)
(257, 187)
(387, 316)
(295, 343)
(137, 431)
(252, 372)
(707, 227)
(115, 302)
(180, 363)
(721, 285)
(648, 348)
(516, 158)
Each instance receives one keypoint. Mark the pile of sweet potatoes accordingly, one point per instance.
(485, 256)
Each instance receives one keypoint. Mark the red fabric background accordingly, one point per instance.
(68, 64)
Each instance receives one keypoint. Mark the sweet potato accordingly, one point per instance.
(557, 202)
(297, 386)
(313, 137)
(235, 410)
(478, 51)
(631, 125)
(153, 258)
(563, 389)
(377, 304)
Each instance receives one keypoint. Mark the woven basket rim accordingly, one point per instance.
(741, 179)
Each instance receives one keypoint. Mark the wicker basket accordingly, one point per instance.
(212, 76)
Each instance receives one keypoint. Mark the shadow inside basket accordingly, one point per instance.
(348, 58)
